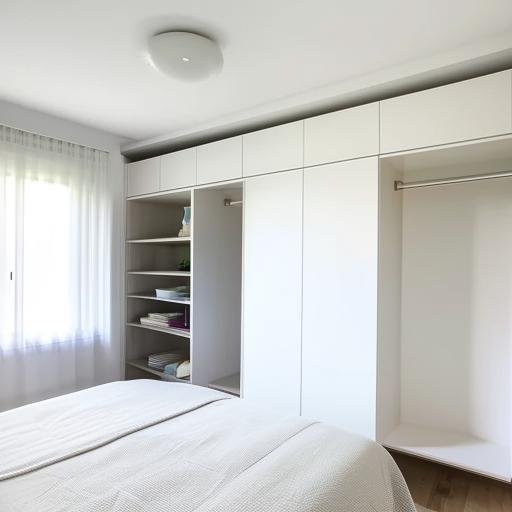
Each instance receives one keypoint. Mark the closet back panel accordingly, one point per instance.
(141, 342)
(153, 220)
(156, 257)
(216, 287)
(457, 308)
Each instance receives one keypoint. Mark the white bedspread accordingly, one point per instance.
(152, 446)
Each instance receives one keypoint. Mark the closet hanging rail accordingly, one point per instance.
(228, 202)
(400, 185)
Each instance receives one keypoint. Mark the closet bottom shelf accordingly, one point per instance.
(229, 384)
(142, 364)
(453, 448)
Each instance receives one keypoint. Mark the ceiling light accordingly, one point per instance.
(185, 55)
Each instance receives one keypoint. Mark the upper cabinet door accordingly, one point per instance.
(272, 290)
(178, 169)
(339, 337)
(275, 149)
(219, 161)
(350, 133)
(467, 110)
(143, 177)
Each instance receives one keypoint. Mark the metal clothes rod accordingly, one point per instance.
(228, 202)
(400, 185)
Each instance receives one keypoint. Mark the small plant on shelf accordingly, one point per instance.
(184, 264)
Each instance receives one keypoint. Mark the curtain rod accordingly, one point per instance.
(400, 185)
(51, 137)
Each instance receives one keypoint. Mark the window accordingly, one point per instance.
(55, 252)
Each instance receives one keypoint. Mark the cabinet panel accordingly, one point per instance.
(339, 344)
(275, 149)
(272, 290)
(472, 109)
(178, 169)
(350, 133)
(143, 177)
(219, 161)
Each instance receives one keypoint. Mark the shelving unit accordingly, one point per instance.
(153, 257)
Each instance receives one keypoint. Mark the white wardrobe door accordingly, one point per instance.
(349, 133)
(143, 177)
(272, 290)
(219, 161)
(339, 347)
(178, 169)
(472, 109)
(279, 148)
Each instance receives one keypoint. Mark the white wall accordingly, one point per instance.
(111, 369)
(456, 308)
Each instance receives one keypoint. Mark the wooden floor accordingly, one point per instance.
(443, 489)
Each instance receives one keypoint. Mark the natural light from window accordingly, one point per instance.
(42, 289)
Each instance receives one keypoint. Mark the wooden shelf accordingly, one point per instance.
(229, 384)
(453, 448)
(170, 330)
(162, 241)
(149, 296)
(177, 273)
(142, 364)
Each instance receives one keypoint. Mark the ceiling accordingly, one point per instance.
(85, 60)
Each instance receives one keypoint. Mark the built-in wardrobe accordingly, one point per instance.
(376, 268)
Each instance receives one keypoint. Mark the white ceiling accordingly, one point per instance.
(85, 59)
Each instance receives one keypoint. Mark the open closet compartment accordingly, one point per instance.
(158, 283)
(217, 286)
(445, 307)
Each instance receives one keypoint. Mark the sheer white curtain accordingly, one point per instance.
(55, 233)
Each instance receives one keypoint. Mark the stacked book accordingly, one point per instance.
(175, 320)
(161, 360)
(173, 365)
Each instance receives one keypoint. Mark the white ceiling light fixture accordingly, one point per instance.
(185, 55)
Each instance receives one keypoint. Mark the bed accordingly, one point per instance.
(147, 445)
